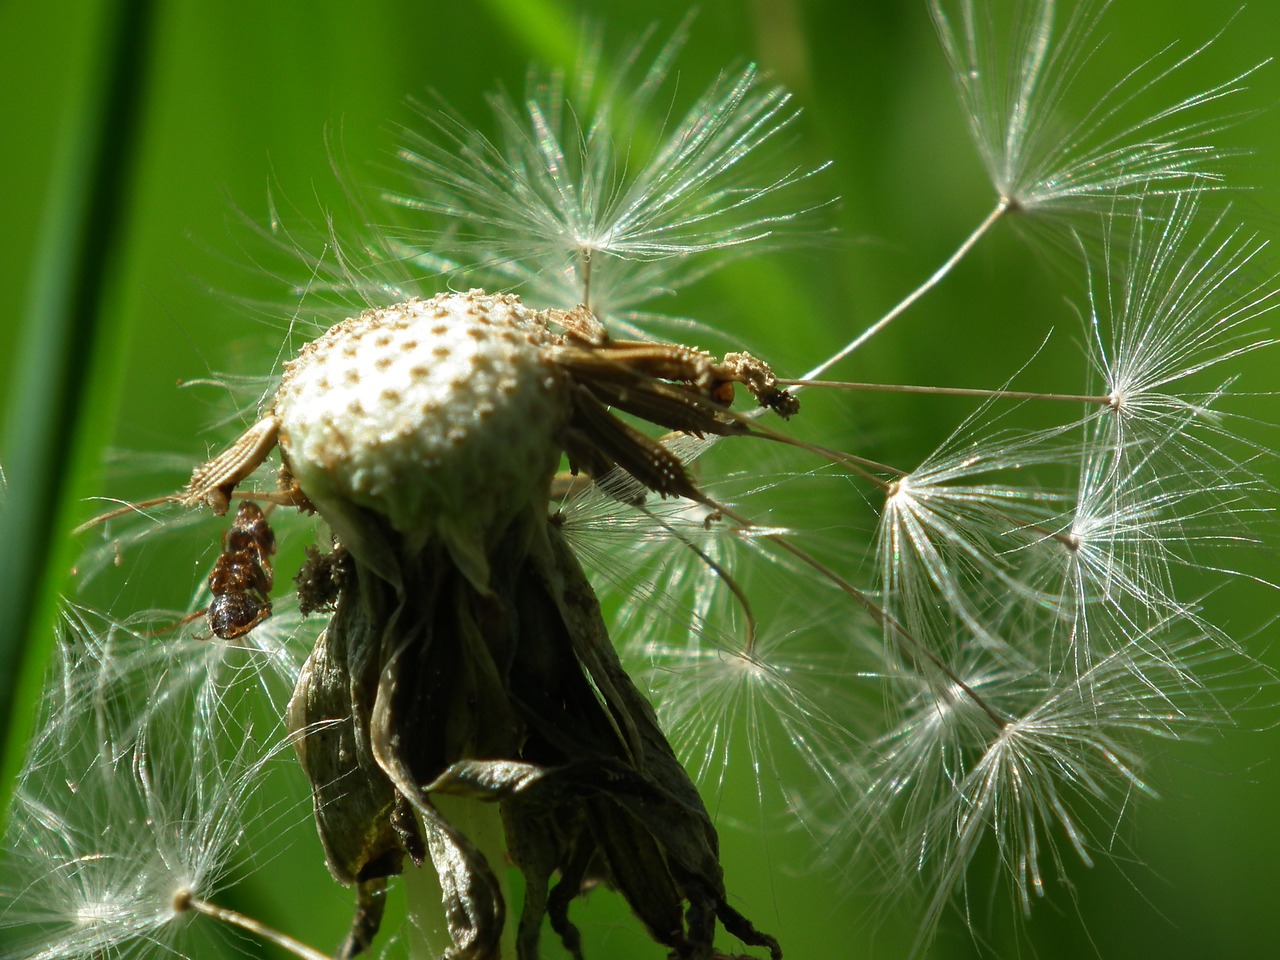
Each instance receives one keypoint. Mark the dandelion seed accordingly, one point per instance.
(1071, 754)
(1043, 164)
(121, 828)
(217, 682)
(553, 207)
(781, 702)
(1061, 639)
(949, 544)
(1102, 163)
(1174, 304)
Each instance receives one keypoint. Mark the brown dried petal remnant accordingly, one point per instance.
(466, 654)
(320, 580)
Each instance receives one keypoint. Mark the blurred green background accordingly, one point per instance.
(135, 136)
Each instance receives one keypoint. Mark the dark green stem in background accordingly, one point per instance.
(63, 321)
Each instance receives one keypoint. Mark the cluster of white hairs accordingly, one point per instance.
(987, 671)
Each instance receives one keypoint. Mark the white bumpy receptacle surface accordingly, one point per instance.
(442, 415)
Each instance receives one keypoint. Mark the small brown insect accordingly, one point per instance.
(241, 578)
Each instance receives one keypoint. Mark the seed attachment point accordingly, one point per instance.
(213, 482)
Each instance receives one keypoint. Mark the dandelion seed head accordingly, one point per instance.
(431, 412)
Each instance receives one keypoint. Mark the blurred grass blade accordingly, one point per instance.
(64, 330)
(549, 29)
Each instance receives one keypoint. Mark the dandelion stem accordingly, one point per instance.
(1099, 399)
(979, 232)
(188, 901)
(858, 466)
